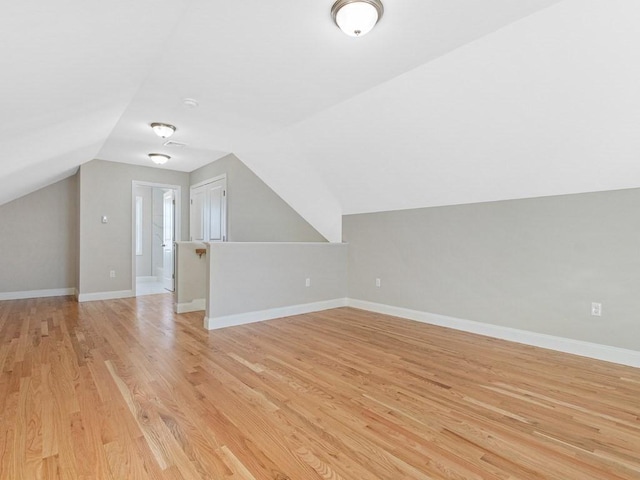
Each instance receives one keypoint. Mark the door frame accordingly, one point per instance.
(168, 195)
(177, 221)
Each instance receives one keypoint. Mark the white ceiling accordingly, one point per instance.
(444, 102)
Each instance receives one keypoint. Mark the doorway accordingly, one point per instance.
(156, 225)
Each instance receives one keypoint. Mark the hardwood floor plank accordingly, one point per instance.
(126, 389)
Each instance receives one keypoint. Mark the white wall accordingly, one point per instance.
(157, 232)
(256, 281)
(143, 262)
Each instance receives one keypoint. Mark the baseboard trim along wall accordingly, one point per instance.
(53, 292)
(567, 345)
(192, 306)
(90, 297)
(261, 315)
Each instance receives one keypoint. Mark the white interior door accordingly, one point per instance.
(197, 215)
(208, 212)
(168, 240)
(216, 195)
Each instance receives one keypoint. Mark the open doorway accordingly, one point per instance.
(156, 226)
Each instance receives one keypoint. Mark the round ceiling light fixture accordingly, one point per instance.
(159, 158)
(163, 130)
(357, 17)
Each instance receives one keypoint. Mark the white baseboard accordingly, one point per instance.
(53, 292)
(90, 297)
(192, 306)
(567, 345)
(261, 315)
(150, 279)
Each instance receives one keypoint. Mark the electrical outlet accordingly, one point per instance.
(596, 309)
(378, 282)
(307, 282)
(112, 274)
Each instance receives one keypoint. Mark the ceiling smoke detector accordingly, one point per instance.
(190, 103)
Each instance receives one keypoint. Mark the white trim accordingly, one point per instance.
(89, 297)
(147, 279)
(567, 345)
(274, 243)
(209, 180)
(53, 292)
(261, 315)
(192, 306)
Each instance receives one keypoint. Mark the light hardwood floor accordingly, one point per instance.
(125, 389)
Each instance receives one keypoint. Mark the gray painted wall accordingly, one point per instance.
(38, 239)
(255, 212)
(534, 264)
(106, 189)
(191, 274)
(249, 277)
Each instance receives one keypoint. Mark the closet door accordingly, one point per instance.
(216, 197)
(197, 216)
(208, 212)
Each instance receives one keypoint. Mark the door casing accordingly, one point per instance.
(177, 220)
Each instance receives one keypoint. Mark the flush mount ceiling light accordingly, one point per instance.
(357, 17)
(159, 158)
(163, 130)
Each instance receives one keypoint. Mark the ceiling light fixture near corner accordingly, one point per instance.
(163, 130)
(357, 17)
(159, 158)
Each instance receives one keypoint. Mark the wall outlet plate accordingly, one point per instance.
(596, 309)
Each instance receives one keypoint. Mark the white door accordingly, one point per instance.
(168, 239)
(208, 212)
(216, 196)
(197, 215)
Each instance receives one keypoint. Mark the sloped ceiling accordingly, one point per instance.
(444, 102)
(69, 71)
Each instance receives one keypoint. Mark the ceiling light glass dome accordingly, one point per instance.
(357, 17)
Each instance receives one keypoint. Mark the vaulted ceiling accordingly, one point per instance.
(444, 102)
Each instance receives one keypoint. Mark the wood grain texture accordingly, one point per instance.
(125, 389)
